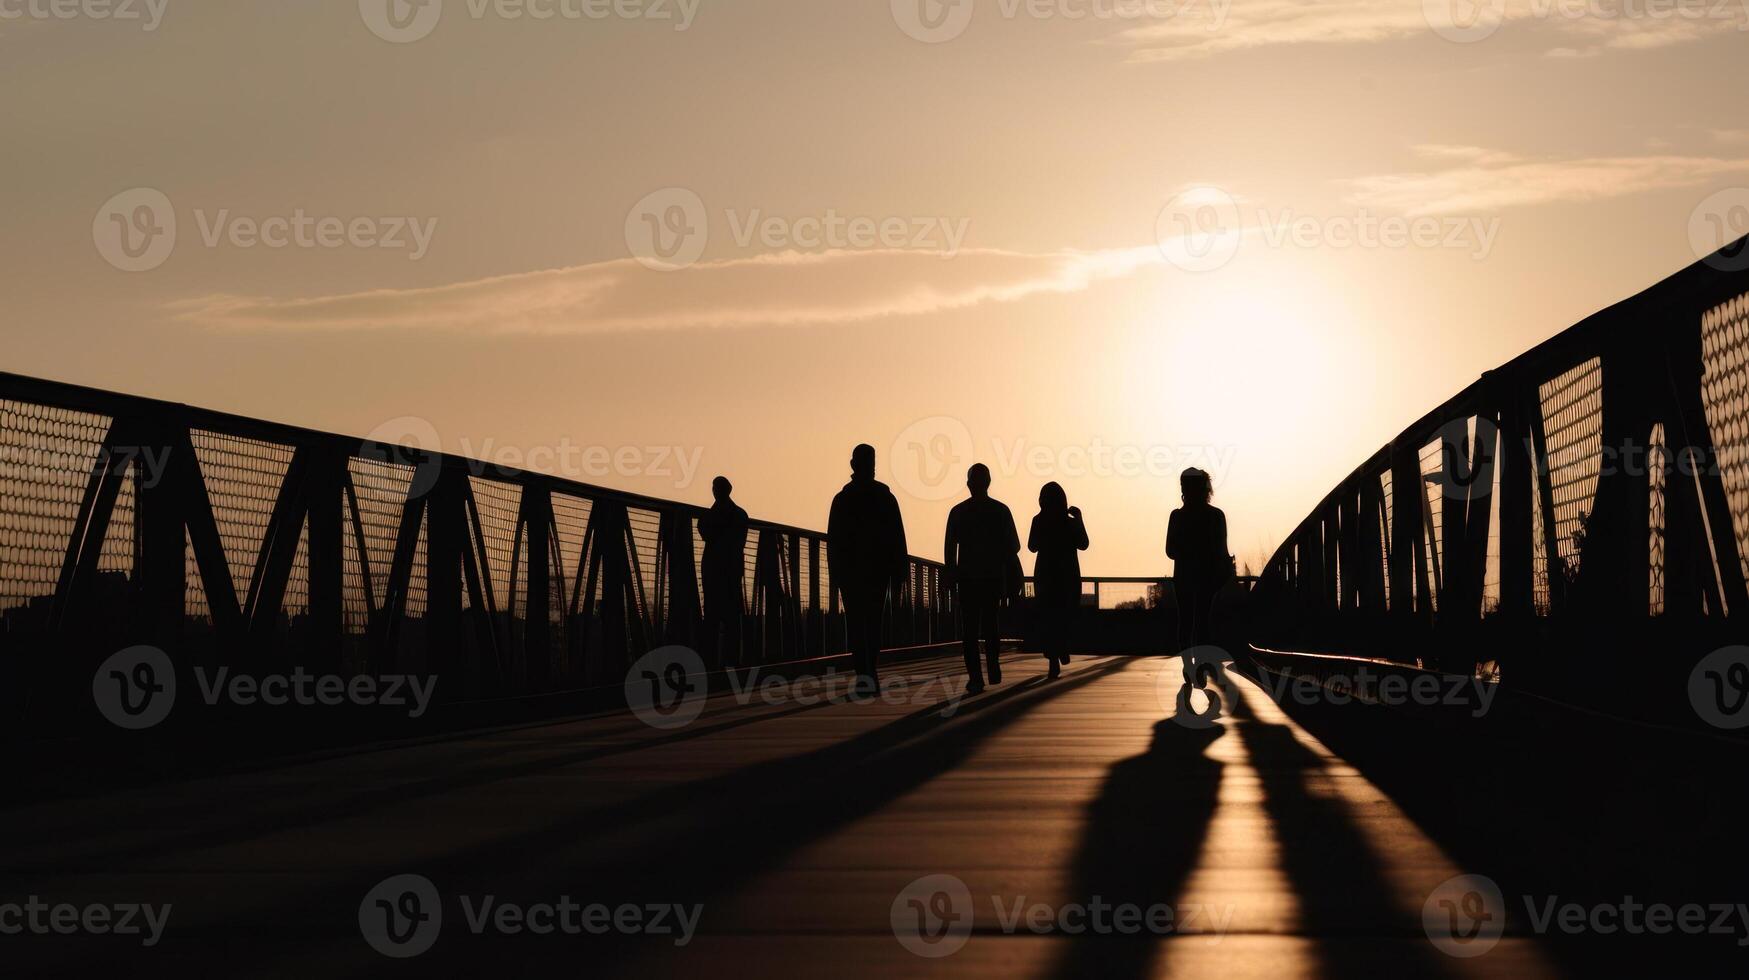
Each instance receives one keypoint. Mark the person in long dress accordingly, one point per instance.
(1058, 537)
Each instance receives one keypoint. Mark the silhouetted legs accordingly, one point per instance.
(1056, 622)
(863, 609)
(1195, 603)
(978, 604)
(722, 621)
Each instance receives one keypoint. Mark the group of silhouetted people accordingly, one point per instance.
(868, 558)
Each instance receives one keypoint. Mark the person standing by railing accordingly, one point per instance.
(1196, 541)
(865, 548)
(724, 530)
(1057, 537)
(981, 552)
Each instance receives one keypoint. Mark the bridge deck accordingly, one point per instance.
(797, 826)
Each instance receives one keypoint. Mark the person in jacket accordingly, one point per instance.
(865, 549)
(981, 553)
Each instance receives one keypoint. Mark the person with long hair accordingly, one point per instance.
(1196, 541)
(1057, 538)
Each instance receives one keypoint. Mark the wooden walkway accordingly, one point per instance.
(915, 836)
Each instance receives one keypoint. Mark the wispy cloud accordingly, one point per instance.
(1477, 179)
(1572, 29)
(767, 290)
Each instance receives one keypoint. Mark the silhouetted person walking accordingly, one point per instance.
(981, 552)
(1057, 538)
(724, 530)
(866, 550)
(1196, 541)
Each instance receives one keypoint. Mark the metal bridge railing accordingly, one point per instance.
(1589, 495)
(228, 540)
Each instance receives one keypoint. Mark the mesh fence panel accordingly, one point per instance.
(1572, 410)
(1725, 395)
(243, 478)
(46, 455)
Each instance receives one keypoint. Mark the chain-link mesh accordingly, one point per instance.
(1572, 411)
(1725, 394)
(46, 455)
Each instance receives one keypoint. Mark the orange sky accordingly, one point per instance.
(1254, 236)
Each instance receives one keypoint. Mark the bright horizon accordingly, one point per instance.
(969, 249)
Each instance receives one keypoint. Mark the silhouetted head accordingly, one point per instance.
(978, 479)
(1052, 499)
(862, 460)
(1195, 486)
(721, 488)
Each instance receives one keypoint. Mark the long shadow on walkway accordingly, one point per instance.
(1144, 832)
(694, 843)
(202, 825)
(1345, 898)
(1553, 802)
